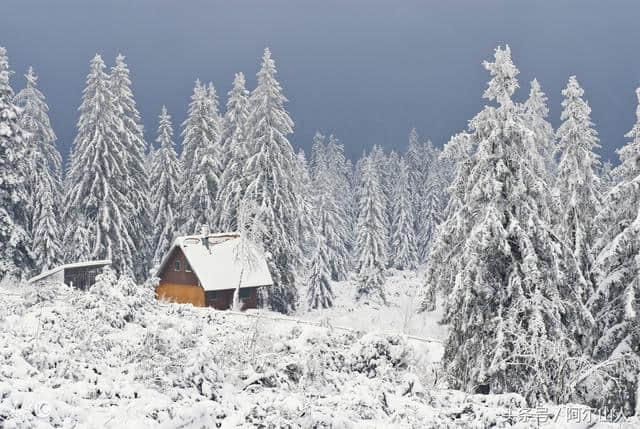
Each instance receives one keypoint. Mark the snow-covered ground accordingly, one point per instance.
(398, 315)
(114, 357)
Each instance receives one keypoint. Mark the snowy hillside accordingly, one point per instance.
(114, 357)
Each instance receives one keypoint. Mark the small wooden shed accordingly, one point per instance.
(205, 270)
(80, 275)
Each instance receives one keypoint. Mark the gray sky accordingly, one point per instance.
(365, 70)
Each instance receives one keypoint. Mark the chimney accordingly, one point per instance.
(205, 236)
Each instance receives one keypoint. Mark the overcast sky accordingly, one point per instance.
(366, 70)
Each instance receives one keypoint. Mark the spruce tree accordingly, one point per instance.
(331, 193)
(130, 134)
(419, 158)
(577, 183)
(434, 194)
(319, 293)
(403, 243)
(165, 175)
(44, 182)
(617, 266)
(14, 198)
(234, 148)
(515, 320)
(305, 199)
(272, 186)
(201, 162)
(371, 234)
(98, 214)
(536, 111)
(344, 194)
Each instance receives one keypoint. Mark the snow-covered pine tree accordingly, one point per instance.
(536, 110)
(403, 241)
(389, 175)
(14, 198)
(272, 186)
(578, 186)
(214, 107)
(318, 155)
(514, 318)
(201, 162)
(330, 190)
(234, 149)
(434, 194)
(305, 203)
(98, 214)
(459, 153)
(165, 176)
(371, 234)
(343, 193)
(44, 182)
(617, 266)
(419, 157)
(130, 134)
(319, 293)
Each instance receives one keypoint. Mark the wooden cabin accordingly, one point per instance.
(80, 275)
(206, 269)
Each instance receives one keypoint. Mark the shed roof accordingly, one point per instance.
(214, 259)
(45, 274)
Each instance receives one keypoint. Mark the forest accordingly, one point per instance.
(529, 243)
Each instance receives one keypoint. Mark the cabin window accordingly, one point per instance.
(187, 267)
(176, 265)
(245, 293)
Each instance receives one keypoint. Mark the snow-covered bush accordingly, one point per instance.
(117, 301)
(46, 292)
(375, 355)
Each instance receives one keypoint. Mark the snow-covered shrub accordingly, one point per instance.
(46, 292)
(203, 374)
(117, 301)
(374, 355)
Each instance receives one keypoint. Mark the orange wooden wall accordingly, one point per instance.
(180, 293)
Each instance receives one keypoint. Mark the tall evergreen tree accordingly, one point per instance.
(98, 214)
(514, 318)
(319, 292)
(130, 134)
(343, 193)
(164, 176)
(371, 233)
(578, 185)
(403, 242)
(305, 218)
(234, 146)
(536, 111)
(330, 190)
(271, 186)
(14, 198)
(419, 158)
(617, 266)
(201, 162)
(44, 183)
(434, 194)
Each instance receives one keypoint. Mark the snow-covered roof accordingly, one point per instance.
(218, 266)
(45, 274)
